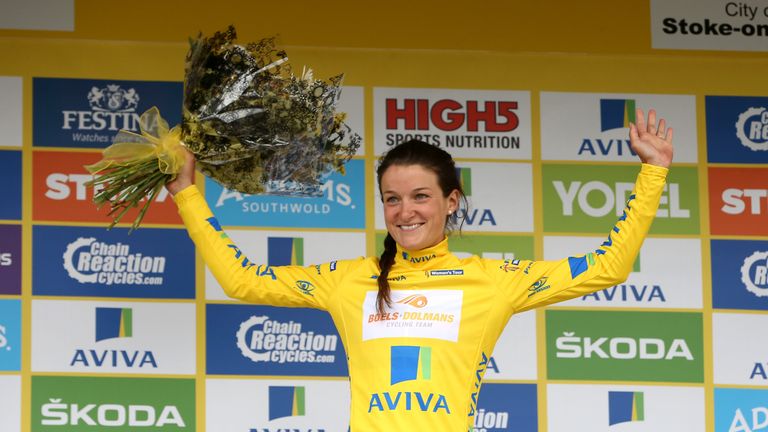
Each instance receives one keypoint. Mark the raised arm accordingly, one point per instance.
(539, 283)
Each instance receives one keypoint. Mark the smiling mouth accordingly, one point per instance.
(410, 227)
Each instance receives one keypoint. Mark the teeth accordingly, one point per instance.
(409, 227)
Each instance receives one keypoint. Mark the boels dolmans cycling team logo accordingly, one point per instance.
(434, 314)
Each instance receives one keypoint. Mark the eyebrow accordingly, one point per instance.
(418, 189)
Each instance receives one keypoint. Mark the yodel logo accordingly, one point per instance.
(624, 407)
(93, 262)
(752, 129)
(58, 413)
(754, 273)
(612, 198)
(264, 340)
(571, 346)
(286, 401)
(409, 363)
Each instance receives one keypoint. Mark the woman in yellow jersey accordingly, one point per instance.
(419, 324)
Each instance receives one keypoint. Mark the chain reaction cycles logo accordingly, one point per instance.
(90, 261)
(263, 340)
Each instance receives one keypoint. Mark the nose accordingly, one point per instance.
(407, 209)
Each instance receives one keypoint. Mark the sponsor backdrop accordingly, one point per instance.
(110, 330)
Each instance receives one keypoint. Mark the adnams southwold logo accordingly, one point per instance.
(595, 127)
(466, 123)
(10, 335)
(737, 129)
(741, 410)
(342, 204)
(86, 403)
(89, 113)
(591, 198)
(635, 346)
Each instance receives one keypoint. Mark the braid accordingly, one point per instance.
(385, 263)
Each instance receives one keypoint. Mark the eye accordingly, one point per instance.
(391, 200)
(421, 196)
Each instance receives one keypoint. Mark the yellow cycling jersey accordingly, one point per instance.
(419, 365)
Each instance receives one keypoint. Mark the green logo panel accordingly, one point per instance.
(625, 346)
(71, 404)
(486, 246)
(590, 199)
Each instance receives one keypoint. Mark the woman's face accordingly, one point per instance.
(414, 206)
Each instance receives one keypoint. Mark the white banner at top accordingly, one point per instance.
(717, 25)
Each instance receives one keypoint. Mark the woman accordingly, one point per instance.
(419, 324)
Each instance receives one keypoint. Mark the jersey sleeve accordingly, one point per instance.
(530, 284)
(291, 286)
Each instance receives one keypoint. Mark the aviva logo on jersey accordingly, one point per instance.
(286, 401)
(616, 113)
(625, 407)
(285, 251)
(409, 363)
(113, 323)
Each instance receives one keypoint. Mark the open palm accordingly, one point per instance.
(651, 141)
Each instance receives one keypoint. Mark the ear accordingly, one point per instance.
(453, 201)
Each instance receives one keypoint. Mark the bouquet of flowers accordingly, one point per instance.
(253, 126)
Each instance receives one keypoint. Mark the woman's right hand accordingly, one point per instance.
(184, 178)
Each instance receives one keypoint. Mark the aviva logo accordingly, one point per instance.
(286, 401)
(465, 179)
(616, 113)
(113, 323)
(410, 362)
(285, 251)
(625, 407)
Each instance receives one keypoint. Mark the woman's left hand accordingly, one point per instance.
(652, 142)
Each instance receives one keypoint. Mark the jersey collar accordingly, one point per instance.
(432, 257)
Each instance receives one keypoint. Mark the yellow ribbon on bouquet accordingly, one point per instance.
(156, 140)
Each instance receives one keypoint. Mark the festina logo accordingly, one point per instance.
(112, 108)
